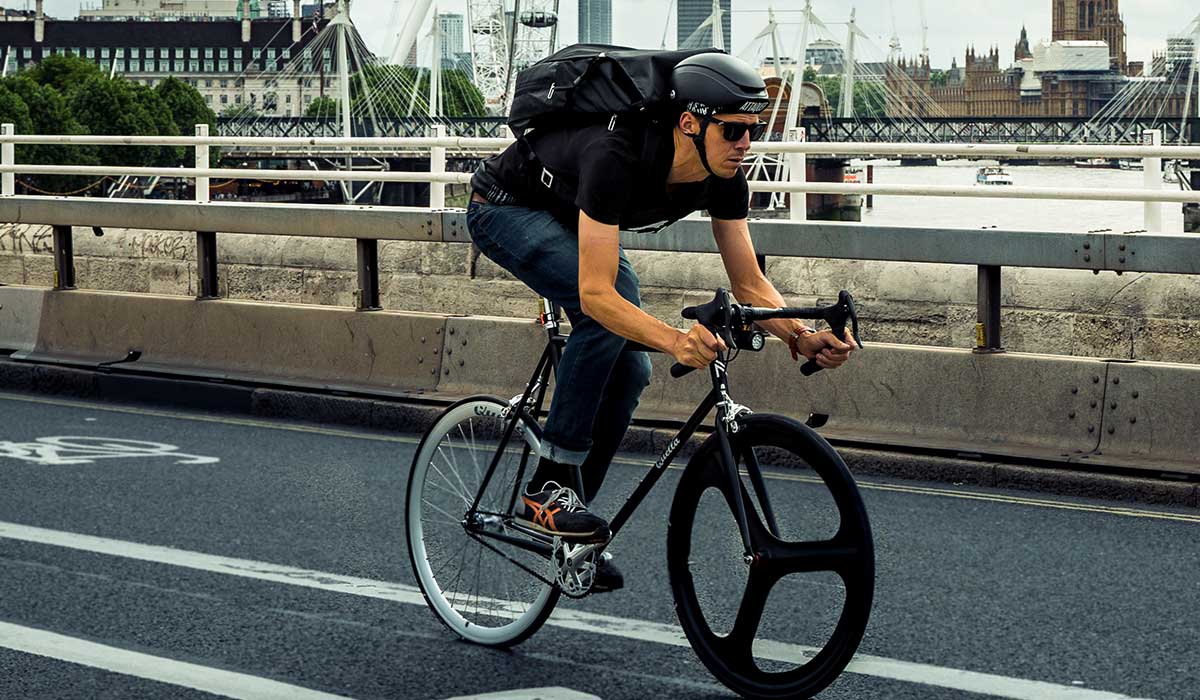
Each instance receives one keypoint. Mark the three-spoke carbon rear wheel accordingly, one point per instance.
(786, 624)
(472, 580)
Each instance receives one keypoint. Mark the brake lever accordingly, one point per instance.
(836, 316)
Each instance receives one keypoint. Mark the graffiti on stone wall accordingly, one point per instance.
(23, 238)
(168, 245)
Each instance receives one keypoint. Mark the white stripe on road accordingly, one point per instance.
(156, 668)
(532, 694)
(641, 630)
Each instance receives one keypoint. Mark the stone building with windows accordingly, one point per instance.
(1075, 75)
(272, 66)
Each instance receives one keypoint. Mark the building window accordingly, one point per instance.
(287, 53)
(91, 53)
(328, 66)
(208, 66)
(224, 99)
(179, 66)
(208, 99)
(194, 52)
(194, 66)
(237, 99)
(180, 51)
(288, 98)
(237, 52)
(271, 54)
(27, 53)
(223, 52)
(224, 84)
(134, 52)
(208, 82)
(224, 67)
(164, 66)
(164, 53)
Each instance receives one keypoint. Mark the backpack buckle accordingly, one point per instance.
(547, 178)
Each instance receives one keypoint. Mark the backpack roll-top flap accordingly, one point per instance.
(592, 80)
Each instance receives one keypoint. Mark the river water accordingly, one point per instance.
(1018, 214)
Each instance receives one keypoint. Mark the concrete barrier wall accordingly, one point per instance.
(1050, 407)
(1062, 312)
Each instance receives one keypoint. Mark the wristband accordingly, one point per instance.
(794, 338)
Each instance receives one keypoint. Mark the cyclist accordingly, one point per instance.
(549, 212)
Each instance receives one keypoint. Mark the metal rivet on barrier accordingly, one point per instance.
(449, 352)
(1111, 430)
(1113, 405)
(420, 360)
(464, 342)
(1122, 258)
(447, 372)
(1087, 258)
(1093, 404)
(1122, 248)
(422, 340)
(1071, 415)
(1087, 246)
(451, 331)
(1074, 390)
(1133, 419)
(1091, 428)
(461, 363)
(1135, 394)
(1116, 380)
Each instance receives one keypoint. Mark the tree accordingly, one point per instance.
(186, 105)
(13, 110)
(51, 114)
(64, 72)
(391, 91)
(870, 98)
(121, 108)
(322, 107)
(938, 78)
(242, 111)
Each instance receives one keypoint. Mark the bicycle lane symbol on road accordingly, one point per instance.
(72, 449)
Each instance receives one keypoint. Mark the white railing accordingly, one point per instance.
(439, 145)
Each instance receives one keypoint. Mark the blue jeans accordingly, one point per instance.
(599, 380)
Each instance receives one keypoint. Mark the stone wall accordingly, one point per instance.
(1066, 312)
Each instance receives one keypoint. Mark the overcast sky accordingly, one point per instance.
(953, 24)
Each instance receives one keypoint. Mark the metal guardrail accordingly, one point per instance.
(989, 250)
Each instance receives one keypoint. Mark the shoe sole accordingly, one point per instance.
(598, 536)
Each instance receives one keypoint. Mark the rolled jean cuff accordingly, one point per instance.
(562, 455)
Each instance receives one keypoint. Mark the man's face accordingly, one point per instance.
(725, 157)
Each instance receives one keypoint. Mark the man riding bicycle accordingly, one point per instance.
(552, 220)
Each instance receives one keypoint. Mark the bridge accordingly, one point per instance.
(210, 408)
(1039, 130)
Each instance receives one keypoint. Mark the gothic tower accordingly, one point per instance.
(1091, 20)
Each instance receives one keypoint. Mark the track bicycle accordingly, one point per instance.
(772, 592)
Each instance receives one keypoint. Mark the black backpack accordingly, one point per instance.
(588, 83)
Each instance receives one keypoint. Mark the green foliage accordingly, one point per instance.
(64, 72)
(121, 108)
(243, 111)
(870, 99)
(810, 74)
(13, 110)
(50, 114)
(322, 107)
(186, 105)
(938, 78)
(391, 92)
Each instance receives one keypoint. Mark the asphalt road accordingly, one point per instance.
(267, 559)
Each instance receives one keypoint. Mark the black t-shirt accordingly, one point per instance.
(616, 176)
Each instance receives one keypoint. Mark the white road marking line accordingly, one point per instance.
(531, 694)
(643, 464)
(640, 630)
(156, 668)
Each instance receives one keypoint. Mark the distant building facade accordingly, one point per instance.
(258, 64)
(595, 21)
(692, 13)
(1075, 75)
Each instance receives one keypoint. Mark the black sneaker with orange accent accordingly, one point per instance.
(556, 510)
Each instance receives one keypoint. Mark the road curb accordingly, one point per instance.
(412, 416)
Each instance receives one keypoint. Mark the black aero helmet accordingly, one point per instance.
(717, 83)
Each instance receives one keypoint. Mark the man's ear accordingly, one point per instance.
(687, 124)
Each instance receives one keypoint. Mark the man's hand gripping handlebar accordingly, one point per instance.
(733, 324)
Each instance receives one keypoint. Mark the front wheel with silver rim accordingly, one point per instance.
(478, 584)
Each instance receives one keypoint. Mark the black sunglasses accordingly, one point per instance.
(734, 131)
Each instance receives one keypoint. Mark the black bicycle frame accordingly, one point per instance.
(718, 396)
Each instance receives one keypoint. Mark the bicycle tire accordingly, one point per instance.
(748, 664)
(496, 603)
